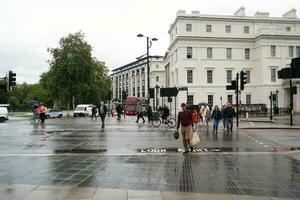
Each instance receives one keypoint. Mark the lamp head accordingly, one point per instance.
(154, 39)
(140, 35)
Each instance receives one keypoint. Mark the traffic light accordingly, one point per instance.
(232, 86)
(124, 95)
(295, 65)
(109, 95)
(11, 79)
(243, 79)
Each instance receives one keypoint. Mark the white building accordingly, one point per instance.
(206, 52)
(133, 77)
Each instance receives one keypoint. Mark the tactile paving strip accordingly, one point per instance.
(261, 175)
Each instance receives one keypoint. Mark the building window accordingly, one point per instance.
(209, 52)
(291, 51)
(189, 52)
(298, 51)
(273, 75)
(246, 29)
(188, 27)
(157, 78)
(189, 76)
(288, 29)
(228, 53)
(209, 76)
(229, 98)
(228, 29)
(210, 100)
(208, 28)
(248, 75)
(229, 76)
(247, 54)
(248, 99)
(273, 50)
(190, 100)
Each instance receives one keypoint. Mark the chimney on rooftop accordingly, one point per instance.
(290, 14)
(197, 12)
(180, 12)
(261, 14)
(240, 12)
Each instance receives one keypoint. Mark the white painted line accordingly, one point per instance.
(261, 143)
(256, 140)
(251, 123)
(266, 146)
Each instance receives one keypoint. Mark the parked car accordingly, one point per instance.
(3, 114)
(83, 110)
(54, 113)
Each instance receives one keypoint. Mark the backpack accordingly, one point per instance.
(208, 115)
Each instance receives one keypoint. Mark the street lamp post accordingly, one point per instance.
(149, 44)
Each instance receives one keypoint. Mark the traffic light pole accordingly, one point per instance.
(271, 104)
(237, 99)
(291, 103)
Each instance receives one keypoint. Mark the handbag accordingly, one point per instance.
(194, 140)
(176, 135)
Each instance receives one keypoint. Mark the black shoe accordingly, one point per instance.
(192, 149)
(143, 121)
(136, 122)
(185, 152)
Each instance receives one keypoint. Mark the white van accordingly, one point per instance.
(83, 110)
(3, 114)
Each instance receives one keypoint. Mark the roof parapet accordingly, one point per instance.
(291, 14)
(240, 12)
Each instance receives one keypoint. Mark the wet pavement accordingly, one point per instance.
(128, 156)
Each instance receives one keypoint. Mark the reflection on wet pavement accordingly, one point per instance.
(259, 175)
(78, 152)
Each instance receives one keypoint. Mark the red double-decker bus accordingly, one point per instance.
(131, 102)
(130, 105)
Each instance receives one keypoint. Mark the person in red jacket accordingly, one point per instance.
(185, 120)
(42, 112)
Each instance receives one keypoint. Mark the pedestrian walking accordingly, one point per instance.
(94, 113)
(149, 113)
(205, 113)
(228, 115)
(102, 113)
(41, 110)
(119, 111)
(185, 120)
(196, 119)
(222, 112)
(216, 116)
(139, 110)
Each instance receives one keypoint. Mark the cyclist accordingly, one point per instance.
(166, 113)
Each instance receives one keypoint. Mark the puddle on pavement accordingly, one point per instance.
(59, 151)
(284, 149)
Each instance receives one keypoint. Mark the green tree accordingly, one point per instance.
(75, 76)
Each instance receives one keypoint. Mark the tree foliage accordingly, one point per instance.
(75, 76)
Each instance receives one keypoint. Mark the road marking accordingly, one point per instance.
(251, 123)
(266, 146)
(261, 143)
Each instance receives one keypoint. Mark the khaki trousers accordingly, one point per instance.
(186, 135)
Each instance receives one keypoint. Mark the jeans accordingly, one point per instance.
(229, 124)
(140, 115)
(204, 122)
(102, 116)
(216, 125)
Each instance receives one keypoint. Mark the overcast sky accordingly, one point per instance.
(110, 26)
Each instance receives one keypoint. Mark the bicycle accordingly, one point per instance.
(35, 119)
(156, 121)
